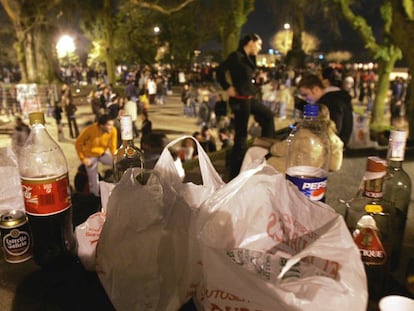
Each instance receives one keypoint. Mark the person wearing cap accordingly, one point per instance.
(241, 65)
(97, 143)
(312, 88)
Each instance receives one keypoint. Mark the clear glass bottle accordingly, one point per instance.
(45, 181)
(128, 155)
(370, 220)
(307, 155)
(397, 188)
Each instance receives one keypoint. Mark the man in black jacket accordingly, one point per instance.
(337, 101)
(241, 66)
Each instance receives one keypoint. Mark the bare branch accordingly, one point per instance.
(162, 10)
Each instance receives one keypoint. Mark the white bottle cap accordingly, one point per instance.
(396, 146)
(126, 127)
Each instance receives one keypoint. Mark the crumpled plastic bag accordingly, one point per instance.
(11, 194)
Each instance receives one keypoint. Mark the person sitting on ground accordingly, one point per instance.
(225, 138)
(97, 143)
(208, 140)
(152, 145)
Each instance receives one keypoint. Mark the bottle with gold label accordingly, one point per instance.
(370, 219)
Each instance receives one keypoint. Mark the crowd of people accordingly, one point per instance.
(219, 107)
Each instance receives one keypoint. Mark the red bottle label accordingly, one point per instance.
(48, 196)
(370, 246)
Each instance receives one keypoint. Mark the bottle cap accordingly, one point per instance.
(311, 110)
(376, 168)
(396, 145)
(126, 127)
(399, 135)
(37, 118)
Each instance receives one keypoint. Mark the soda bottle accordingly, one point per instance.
(44, 177)
(397, 189)
(128, 155)
(307, 155)
(370, 221)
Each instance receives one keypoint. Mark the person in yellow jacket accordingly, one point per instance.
(97, 143)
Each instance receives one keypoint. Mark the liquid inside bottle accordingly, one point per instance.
(307, 155)
(46, 191)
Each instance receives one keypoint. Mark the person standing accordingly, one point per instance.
(57, 115)
(241, 64)
(97, 143)
(70, 110)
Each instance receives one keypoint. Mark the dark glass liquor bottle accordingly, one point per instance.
(397, 189)
(128, 155)
(370, 220)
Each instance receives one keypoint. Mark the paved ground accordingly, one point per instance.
(26, 287)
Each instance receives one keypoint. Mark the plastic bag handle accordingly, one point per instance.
(166, 164)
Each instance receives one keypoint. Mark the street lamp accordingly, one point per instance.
(65, 46)
(286, 26)
(156, 30)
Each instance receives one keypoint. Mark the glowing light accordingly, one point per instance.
(65, 46)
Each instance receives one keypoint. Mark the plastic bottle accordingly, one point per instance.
(397, 188)
(44, 176)
(370, 220)
(307, 155)
(128, 155)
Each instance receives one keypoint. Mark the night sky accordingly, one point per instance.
(266, 21)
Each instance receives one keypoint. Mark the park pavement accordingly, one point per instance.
(25, 287)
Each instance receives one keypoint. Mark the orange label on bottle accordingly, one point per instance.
(373, 208)
(47, 196)
(370, 246)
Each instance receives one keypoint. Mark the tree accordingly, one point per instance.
(100, 23)
(385, 52)
(226, 18)
(282, 41)
(402, 28)
(33, 23)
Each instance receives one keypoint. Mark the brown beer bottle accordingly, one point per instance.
(370, 220)
(44, 177)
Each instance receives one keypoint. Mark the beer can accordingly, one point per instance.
(16, 239)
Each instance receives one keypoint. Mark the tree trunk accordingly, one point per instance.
(403, 35)
(295, 58)
(378, 121)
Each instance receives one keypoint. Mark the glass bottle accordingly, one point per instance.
(370, 220)
(397, 188)
(128, 155)
(307, 155)
(45, 181)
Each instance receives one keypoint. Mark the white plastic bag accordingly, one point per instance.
(88, 232)
(146, 254)
(11, 195)
(265, 246)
